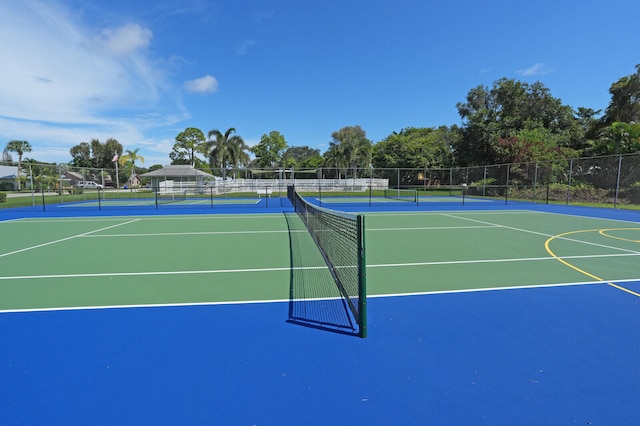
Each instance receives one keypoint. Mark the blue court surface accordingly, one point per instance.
(525, 356)
(527, 340)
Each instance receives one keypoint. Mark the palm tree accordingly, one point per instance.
(6, 157)
(357, 151)
(226, 151)
(334, 158)
(131, 157)
(20, 147)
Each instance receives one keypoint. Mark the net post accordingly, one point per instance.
(348, 272)
(547, 199)
(362, 278)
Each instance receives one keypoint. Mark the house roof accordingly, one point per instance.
(74, 175)
(8, 172)
(177, 171)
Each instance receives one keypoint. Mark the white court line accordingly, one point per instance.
(16, 219)
(306, 268)
(280, 231)
(178, 234)
(434, 228)
(543, 234)
(441, 212)
(252, 302)
(594, 217)
(66, 239)
(138, 306)
(524, 259)
(151, 273)
(208, 217)
(477, 290)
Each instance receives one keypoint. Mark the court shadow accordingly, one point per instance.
(314, 298)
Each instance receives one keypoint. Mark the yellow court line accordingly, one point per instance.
(601, 232)
(624, 289)
(604, 233)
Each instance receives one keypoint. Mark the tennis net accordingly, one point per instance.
(410, 195)
(339, 237)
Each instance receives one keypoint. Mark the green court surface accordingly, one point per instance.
(473, 317)
(52, 263)
(329, 199)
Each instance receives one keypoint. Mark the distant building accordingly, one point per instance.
(8, 176)
(134, 181)
(73, 178)
(177, 176)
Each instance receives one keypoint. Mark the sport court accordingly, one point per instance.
(494, 316)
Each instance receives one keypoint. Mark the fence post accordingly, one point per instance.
(451, 183)
(33, 197)
(506, 191)
(547, 201)
(615, 200)
(484, 182)
(569, 183)
(535, 183)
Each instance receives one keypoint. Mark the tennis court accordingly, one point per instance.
(497, 316)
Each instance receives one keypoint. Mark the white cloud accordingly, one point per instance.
(245, 46)
(56, 141)
(71, 80)
(536, 69)
(61, 71)
(126, 40)
(206, 84)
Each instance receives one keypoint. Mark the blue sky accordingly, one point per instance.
(143, 71)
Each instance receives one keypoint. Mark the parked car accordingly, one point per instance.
(89, 185)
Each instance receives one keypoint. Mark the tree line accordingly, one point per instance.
(509, 122)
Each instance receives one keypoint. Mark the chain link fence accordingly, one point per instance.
(608, 181)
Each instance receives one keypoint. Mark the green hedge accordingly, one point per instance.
(3, 197)
(6, 186)
(71, 190)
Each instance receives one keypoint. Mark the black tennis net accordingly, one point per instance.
(410, 195)
(340, 238)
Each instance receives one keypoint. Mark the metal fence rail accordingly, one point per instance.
(610, 181)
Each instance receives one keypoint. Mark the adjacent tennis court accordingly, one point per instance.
(474, 316)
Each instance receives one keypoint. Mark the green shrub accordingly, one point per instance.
(486, 187)
(579, 192)
(75, 190)
(632, 193)
(3, 197)
(6, 186)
